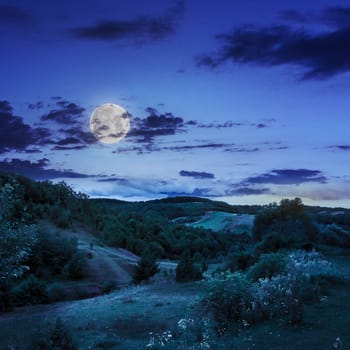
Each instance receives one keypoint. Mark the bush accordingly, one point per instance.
(229, 298)
(301, 282)
(272, 242)
(29, 291)
(279, 296)
(52, 253)
(146, 267)
(187, 271)
(267, 266)
(241, 261)
(74, 269)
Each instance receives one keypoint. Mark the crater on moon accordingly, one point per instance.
(110, 123)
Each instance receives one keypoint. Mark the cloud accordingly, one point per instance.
(114, 180)
(287, 177)
(64, 128)
(197, 192)
(227, 124)
(36, 170)
(197, 174)
(155, 124)
(141, 30)
(14, 15)
(72, 134)
(15, 134)
(320, 55)
(75, 133)
(36, 106)
(67, 113)
(153, 147)
(340, 147)
(246, 191)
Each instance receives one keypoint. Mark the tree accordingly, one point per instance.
(146, 267)
(16, 241)
(186, 270)
(288, 220)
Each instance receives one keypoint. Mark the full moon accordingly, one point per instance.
(109, 123)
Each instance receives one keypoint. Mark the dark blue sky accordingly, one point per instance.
(244, 101)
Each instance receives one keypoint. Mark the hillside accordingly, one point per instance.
(209, 275)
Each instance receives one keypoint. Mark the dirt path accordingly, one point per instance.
(110, 264)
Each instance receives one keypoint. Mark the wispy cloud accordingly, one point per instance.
(197, 174)
(287, 177)
(139, 30)
(67, 113)
(246, 191)
(340, 147)
(37, 170)
(15, 134)
(144, 130)
(320, 55)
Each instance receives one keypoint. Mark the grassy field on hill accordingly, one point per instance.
(225, 222)
(129, 318)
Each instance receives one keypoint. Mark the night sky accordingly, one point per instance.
(234, 100)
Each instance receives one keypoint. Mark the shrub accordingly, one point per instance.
(279, 296)
(240, 261)
(187, 271)
(272, 242)
(229, 299)
(267, 266)
(282, 286)
(52, 252)
(146, 267)
(74, 269)
(29, 291)
(299, 283)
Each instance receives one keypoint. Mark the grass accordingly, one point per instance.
(125, 317)
(223, 221)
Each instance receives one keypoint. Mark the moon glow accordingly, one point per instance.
(109, 123)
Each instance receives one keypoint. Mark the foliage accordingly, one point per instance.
(284, 286)
(229, 297)
(335, 235)
(288, 220)
(267, 266)
(187, 270)
(272, 242)
(15, 246)
(146, 267)
(55, 255)
(75, 267)
(241, 261)
(29, 291)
